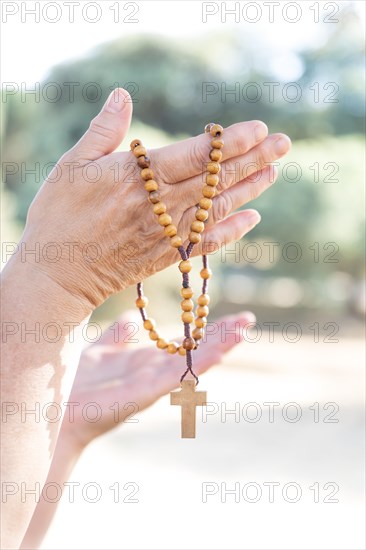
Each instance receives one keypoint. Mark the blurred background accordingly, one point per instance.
(185, 64)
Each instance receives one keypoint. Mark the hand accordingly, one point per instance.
(111, 373)
(76, 223)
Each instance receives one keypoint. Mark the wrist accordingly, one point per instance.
(27, 282)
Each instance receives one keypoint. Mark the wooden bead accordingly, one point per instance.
(208, 127)
(182, 351)
(203, 300)
(188, 343)
(186, 292)
(135, 143)
(185, 266)
(143, 162)
(201, 215)
(147, 174)
(149, 324)
(172, 347)
(159, 208)
(164, 219)
(217, 143)
(153, 335)
(202, 311)
(170, 230)
(139, 151)
(208, 191)
(216, 130)
(197, 226)
(176, 241)
(187, 317)
(151, 185)
(205, 203)
(200, 322)
(212, 167)
(194, 237)
(206, 273)
(161, 343)
(187, 305)
(216, 155)
(197, 333)
(212, 179)
(154, 197)
(141, 302)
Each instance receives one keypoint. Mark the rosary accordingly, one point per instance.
(187, 397)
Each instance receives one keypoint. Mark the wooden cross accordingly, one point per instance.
(188, 399)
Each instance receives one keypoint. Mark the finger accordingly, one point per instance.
(236, 196)
(235, 169)
(107, 129)
(121, 332)
(230, 229)
(220, 337)
(188, 158)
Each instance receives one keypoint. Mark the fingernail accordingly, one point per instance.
(260, 132)
(254, 219)
(281, 146)
(248, 316)
(115, 102)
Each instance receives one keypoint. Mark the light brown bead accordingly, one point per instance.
(217, 143)
(187, 317)
(208, 127)
(194, 237)
(216, 155)
(153, 335)
(149, 324)
(161, 343)
(182, 351)
(186, 292)
(201, 215)
(200, 322)
(187, 305)
(170, 230)
(159, 208)
(135, 143)
(172, 347)
(216, 130)
(141, 302)
(212, 179)
(164, 220)
(208, 191)
(202, 311)
(185, 266)
(206, 273)
(154, 197)
(197, 333)
(176, 241)
(143, 162)
(139, 151)
(197, 226)
(188, 343)
(205, 203)
(151, 185)
(203, 300)
(147, 174)
(213, 167)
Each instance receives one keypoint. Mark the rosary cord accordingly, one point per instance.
(170, 230)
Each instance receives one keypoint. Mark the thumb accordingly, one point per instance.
(107, 129)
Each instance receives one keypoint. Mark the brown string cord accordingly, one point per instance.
(185, 254)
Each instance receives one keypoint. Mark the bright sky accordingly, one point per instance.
(65, 30)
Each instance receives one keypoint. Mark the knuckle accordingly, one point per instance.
(222, 206)
(101, 130)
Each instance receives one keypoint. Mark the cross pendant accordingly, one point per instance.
(188, 399)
